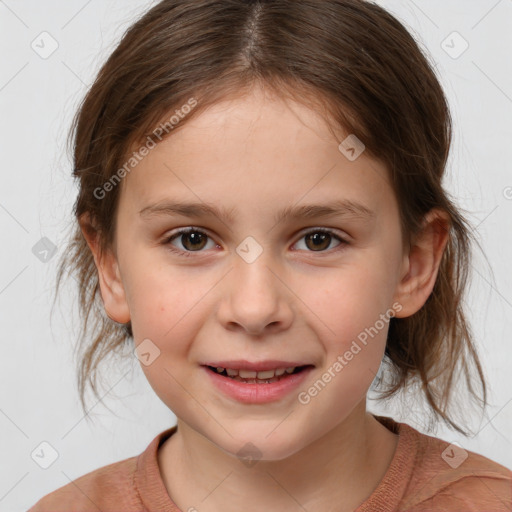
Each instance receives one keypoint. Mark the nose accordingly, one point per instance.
(255, 298)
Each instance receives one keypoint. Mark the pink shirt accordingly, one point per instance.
(425, 474)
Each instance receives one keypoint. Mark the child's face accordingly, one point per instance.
(303, 299)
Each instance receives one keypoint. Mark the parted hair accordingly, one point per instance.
(351, 60)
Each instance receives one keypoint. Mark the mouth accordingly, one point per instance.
(254, 376)
(257, 382)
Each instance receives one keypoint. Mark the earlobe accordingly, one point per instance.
(421, 264)
(109, 277)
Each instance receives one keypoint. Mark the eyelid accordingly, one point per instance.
(342, 235)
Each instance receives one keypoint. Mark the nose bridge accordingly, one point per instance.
(255, 296)
(252, 275)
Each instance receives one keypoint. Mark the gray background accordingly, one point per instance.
(38, 96)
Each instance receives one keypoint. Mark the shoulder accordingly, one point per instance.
(107, 488)
(448, 477)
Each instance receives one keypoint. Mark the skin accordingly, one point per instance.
(255, 154)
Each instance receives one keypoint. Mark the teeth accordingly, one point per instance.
(266, 375)
(247, 374)
(251, 374)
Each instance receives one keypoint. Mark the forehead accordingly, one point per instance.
(259, 151)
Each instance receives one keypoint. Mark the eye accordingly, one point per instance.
(194, 239)
(191, 239)
(319, 239)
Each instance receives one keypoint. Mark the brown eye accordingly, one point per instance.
(190, 240)
(193, 240)
(320, 240)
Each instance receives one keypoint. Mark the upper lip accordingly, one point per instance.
(257, 366)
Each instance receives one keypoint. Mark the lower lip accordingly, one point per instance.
(258, 393)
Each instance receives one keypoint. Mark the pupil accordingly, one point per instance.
(195, 237)
(319, 240)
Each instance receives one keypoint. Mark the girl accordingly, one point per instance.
(261, 212)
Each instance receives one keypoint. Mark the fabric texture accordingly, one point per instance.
(425, 474)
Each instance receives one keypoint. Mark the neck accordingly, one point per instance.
(343, 467)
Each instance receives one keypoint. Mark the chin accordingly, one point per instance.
(254, 442)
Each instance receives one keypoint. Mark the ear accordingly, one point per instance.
(421, 264)
(111, 285)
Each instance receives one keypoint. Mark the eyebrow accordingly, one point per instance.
(339, 208)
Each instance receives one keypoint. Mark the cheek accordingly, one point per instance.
(161, 299)
(352, 312)
(348, 300)
(354, 320)
(166, 308)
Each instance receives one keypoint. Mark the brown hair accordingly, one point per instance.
(350, 59)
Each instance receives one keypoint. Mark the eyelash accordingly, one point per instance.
(187, 254)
